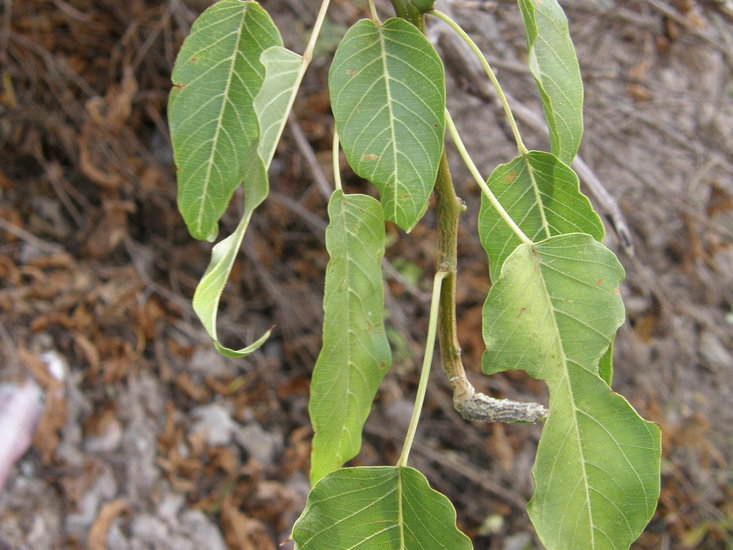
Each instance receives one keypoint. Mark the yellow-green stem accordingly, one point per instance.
(425, 372)
(481, 182)
(489, 72)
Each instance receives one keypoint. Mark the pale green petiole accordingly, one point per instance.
(335, 159)
(489, 72)
(373, 10)
(425, 373)
(307, 55)
(481, 181)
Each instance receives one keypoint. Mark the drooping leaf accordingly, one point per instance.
(355, 355)
(212, 118)
(273, 102)
(554, 66)
(542, 196)
(271, 106)
(553, 313)
(208, 292)
(386, 507)
(387, 88)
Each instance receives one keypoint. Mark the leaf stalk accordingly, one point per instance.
(427, 362)
(490, 73)
(481, 181)
(335, 159)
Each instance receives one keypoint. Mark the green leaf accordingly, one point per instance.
(274, 100)
(605, 366)
(554, 65)
(208, 292)
(212, 118)
(386, 508)
(355, 354)
(387, 88)
(542, 195)
(553, 313)
(271, 106)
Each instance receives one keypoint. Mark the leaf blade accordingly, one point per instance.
(377, 507)
(542, 194)
(554, 65)
(271, 106)
(212, 119)
(387, 87)
(355, 355)
(208, 292)
(553, 313)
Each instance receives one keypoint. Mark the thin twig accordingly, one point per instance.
(19, 232)
(310, 157)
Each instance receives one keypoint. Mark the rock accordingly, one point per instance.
(209, 362)
(712, 351)
(149, 529)
(106, 442)
(214, 423)
(201, 531)
(261, 445)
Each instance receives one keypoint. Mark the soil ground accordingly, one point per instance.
(153, 441)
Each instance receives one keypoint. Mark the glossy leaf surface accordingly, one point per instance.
(212, 118)
(387, 89)
(554, 66)
(542, 196)
(355, 355)
(387, 507)
(553, 313)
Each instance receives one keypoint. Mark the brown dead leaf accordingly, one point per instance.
(242, 532)
(196, 392)
(97, 539)
(110, 229)
(222, 458)
(636, 88)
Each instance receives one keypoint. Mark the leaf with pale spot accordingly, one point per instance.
(387, 88)
(542, 195)
(553, 313)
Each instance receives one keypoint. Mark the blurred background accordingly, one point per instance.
(148, 439)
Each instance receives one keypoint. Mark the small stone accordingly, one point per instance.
(214, 423)
(106, 442)
(149, 529)
(209, 362)
(712, 351)
(261, 445)
(202, 532)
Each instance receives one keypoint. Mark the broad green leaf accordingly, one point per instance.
(271, 106)
(385, 507)
(212, 118)
(387, 89)
(355, 355)
(542, 196)
(554, 66)
(553, 313)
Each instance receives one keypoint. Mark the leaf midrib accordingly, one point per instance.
(387, 79)
(215, 141)
(537, 195)
(565, 378)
